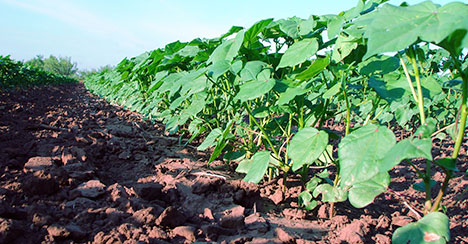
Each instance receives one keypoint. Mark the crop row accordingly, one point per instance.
(261, 96)
(16, 74)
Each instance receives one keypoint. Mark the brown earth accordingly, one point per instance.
(76, 169)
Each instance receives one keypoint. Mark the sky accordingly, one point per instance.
(98, 33)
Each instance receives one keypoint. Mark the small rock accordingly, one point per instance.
(157, 233)
(255, 222)
(39, 163)
(76, 231)
(68, 158)
(322, 211)
(277, 197)
(354, 232)
(58, 231)
(9, 231)
(124, 155)
(40, 183)
(294, 213)
(81, 202)
(284, 236)
(208, 214)
(171, 217)
(382, 239)
(91, 189)
(145, 216)
(401, 220)
(234, 218)
(79, 153)
(149, 191)
(187, 232)
(117, 193)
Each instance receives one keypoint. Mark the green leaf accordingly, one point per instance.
(432, 228)
(251, 70)
(219, 68)
(290, 26)
(210, 139)
(307, 26)
(379, 65)
(426, 130)
(252, 33)
(189, 51)
(344, 45)
(395, 28)
(254, 89)
(314, 69)
(334, 26)
(261, 112)
(222, 142)
(361, 152)
(307, 146)
(305, 199)
(407, 149)
(257, 170)
(313, 183)
(447, 163)
(299, 52)
(236, 67)
(197, 104)
(227, 50)
(332, 91)
(330, 193)
(421, 186)
(290, 94)
(244, 166)
(363, 193)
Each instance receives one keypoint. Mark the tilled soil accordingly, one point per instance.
(76, 169)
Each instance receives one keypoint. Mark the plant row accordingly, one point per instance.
(261, 97)
(16, 74)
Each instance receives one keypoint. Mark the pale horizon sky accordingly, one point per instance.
(98, 33)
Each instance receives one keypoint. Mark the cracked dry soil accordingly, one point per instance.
(76, 169)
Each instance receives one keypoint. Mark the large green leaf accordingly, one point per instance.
(330, 193)
(210, 139)
(432, 229)
(307, 146)
(228, 49)
(254, 89)
(314, 69)
(259, 165)
(252, 33)
(290, 94)
(251, 70)
(361, 153)
(299, 52)
(407, 149)
(219, 68)
(363, 193)
(395, 28)
(197, 104)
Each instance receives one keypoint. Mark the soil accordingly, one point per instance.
(77, 169)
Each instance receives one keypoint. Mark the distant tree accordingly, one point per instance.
(37, 62)
(61, 65)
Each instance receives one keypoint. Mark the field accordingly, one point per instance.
(344, 128)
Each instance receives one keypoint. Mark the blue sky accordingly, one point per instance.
(96, 33)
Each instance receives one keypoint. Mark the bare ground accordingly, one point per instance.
(76, 169)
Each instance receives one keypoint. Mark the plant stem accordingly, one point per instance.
(441, 193)
(412, 59)
(262, 130)
(427, 184)
(408, 77)
(461, 133)
(348, 113)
